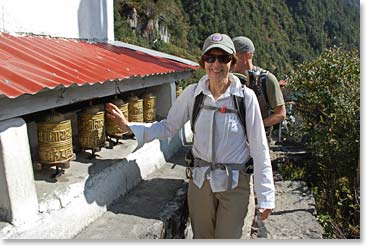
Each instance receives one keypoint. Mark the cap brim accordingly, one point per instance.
(219, 46)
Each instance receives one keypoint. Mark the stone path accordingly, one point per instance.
(157, 209)
(294, 215)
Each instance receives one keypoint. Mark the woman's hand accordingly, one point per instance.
(115, 114)
(264, 213)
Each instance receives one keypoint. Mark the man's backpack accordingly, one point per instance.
(258, 84)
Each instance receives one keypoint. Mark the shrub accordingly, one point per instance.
(327, 94)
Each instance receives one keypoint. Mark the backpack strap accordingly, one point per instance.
(262, 79)
(242, 78)
(239, 103)
(197, 107)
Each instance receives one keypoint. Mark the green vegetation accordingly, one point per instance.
(327, 92)
(284, 32)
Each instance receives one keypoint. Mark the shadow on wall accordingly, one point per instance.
(92, 19)
(117, 178)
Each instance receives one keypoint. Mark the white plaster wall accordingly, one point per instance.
(85, 19)
(18, 198)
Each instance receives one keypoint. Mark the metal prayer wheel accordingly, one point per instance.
(149, 108)
(178, 90)
(113, 129)
(91, 128)
(135, 109)
(55, 141)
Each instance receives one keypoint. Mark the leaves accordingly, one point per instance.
(328, 102)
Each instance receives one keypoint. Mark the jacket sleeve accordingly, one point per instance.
(259, 151)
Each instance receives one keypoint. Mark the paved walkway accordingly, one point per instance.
(157, 209)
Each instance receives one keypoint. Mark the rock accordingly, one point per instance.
(294, 215)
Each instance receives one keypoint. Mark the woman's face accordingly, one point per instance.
(217, 64)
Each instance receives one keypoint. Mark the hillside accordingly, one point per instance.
(284, 32)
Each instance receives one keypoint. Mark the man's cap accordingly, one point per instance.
(243, 44)
(220, 41)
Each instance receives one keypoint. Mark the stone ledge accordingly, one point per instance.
(154, 209)
(82, 196)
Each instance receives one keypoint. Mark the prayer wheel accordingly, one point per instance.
(112, 129)
(149, 108)
(91, 129)
(135, 109)
(178, 90)
(55, 140)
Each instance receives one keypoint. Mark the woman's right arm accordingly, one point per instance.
(115, 114)
(177, 116)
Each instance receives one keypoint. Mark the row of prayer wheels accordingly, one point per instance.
(55, 132)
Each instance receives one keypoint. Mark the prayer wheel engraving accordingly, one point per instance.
(178, 91)
(91, 129)
(113, 129)
(149, 108)
(55, 141)
(135, 109)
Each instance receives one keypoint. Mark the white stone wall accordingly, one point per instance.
(85, 19)
(18, 199)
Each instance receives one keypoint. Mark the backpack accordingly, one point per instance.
(258, 85)
(239, 103)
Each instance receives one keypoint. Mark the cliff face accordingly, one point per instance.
(284, 32)
(148, 22)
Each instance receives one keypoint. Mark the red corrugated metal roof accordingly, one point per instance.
(29, 64)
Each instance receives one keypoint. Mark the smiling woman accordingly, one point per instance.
(219, 186)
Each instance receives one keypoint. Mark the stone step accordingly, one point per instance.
(156, 208)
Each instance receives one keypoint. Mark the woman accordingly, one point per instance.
(216, 209)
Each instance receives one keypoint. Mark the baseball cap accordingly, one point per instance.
(218, 40)
(243, 44)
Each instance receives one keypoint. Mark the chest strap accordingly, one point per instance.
(220, 109)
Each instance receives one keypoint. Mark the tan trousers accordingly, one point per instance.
(220, 214)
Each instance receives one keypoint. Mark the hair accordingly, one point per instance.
(202, 63)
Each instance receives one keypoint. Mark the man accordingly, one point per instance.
(272, 102)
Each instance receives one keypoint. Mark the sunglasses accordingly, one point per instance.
(221, 58)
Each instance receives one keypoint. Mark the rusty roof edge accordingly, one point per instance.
(153, 52)
(97, 82)
(61, 95)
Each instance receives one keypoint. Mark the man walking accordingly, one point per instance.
(263, 82)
